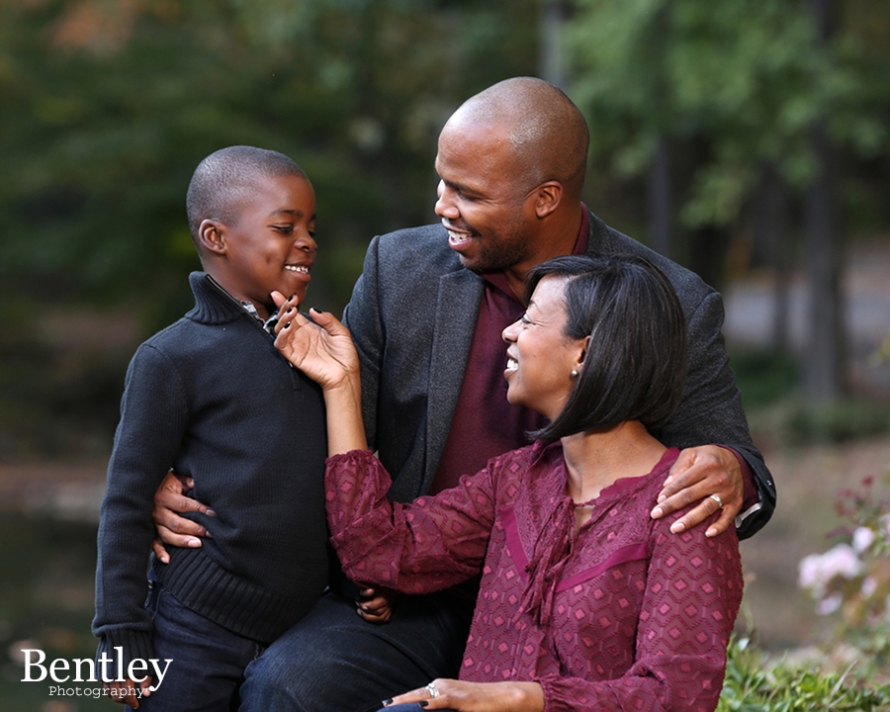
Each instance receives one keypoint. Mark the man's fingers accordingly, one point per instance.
(157, 546)
(727, 520)
(169, 519)
(180, 503)
(678, 500)
(695, 516)
(172, 538)
(703, 511)
(686, 479)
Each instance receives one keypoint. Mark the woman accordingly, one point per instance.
(584, 602)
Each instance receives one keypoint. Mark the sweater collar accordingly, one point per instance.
(213, 304)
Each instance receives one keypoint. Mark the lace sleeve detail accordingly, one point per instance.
(692, 597)
(427, 545)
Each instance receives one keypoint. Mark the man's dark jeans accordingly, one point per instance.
(333, 660)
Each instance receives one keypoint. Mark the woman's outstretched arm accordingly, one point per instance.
(322, 348)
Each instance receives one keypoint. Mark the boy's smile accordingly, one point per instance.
(271, 244)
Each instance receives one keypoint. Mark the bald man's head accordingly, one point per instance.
(546, 132)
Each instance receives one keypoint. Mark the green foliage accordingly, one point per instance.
(745, 78)
(753, 684)
(796, 422)
(836, 422)
(108, 107)
(764, 376)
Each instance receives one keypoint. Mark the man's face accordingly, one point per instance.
(271, 245)
(489, 220)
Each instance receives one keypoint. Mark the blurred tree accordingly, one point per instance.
(823, 367)
(713, 97)
(108, 106)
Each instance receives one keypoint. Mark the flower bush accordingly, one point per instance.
(853, 577)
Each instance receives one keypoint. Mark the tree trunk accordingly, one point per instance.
(659, 200)
(550, 59)
(823, 360)
(773, 246)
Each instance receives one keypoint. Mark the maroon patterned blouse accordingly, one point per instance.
(622, 615)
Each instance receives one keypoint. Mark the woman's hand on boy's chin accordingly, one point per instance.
(321, 348)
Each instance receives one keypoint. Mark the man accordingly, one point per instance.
(426, 316)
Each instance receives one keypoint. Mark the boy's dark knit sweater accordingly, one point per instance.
(211, 397)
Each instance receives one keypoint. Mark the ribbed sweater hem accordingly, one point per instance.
(244, 608)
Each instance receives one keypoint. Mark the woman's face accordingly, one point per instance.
(540, 357)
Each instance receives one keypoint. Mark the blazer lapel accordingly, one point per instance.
(457, 307)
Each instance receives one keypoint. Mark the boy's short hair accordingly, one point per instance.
(635, 364)
(222, 183)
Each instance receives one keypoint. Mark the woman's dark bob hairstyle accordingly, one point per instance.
(635, 364)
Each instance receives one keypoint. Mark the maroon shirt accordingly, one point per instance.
(484, 423)
(618, 615)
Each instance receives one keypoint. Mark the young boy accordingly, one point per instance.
(211, 398)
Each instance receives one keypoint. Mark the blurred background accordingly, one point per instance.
(746, 139)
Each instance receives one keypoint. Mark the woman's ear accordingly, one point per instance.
(582, 353)
(211, 236)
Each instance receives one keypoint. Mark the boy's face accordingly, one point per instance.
(271, 245)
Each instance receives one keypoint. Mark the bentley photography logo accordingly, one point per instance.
(65, 677)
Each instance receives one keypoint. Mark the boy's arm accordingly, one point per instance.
(153, 419)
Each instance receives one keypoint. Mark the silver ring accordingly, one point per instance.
(717, 499)
(433, 690)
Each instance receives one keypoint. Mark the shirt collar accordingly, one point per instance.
(268, 325)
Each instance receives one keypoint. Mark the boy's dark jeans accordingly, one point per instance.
(208, 661)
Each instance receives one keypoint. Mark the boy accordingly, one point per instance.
(212, 398)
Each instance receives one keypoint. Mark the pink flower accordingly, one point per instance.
(816, 571)
(863, 538)
(829, 605)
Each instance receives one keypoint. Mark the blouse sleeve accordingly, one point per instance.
(692, 596)
(420, 547)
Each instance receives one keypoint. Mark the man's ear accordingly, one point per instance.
(547, 198)
(211, 236)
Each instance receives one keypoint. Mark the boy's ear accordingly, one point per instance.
(211, 236)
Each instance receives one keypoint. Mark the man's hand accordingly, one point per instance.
(697, 474)
(173, 529)
(375, 605)
(125, 691)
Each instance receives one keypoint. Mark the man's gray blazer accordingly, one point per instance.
(412, 316)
